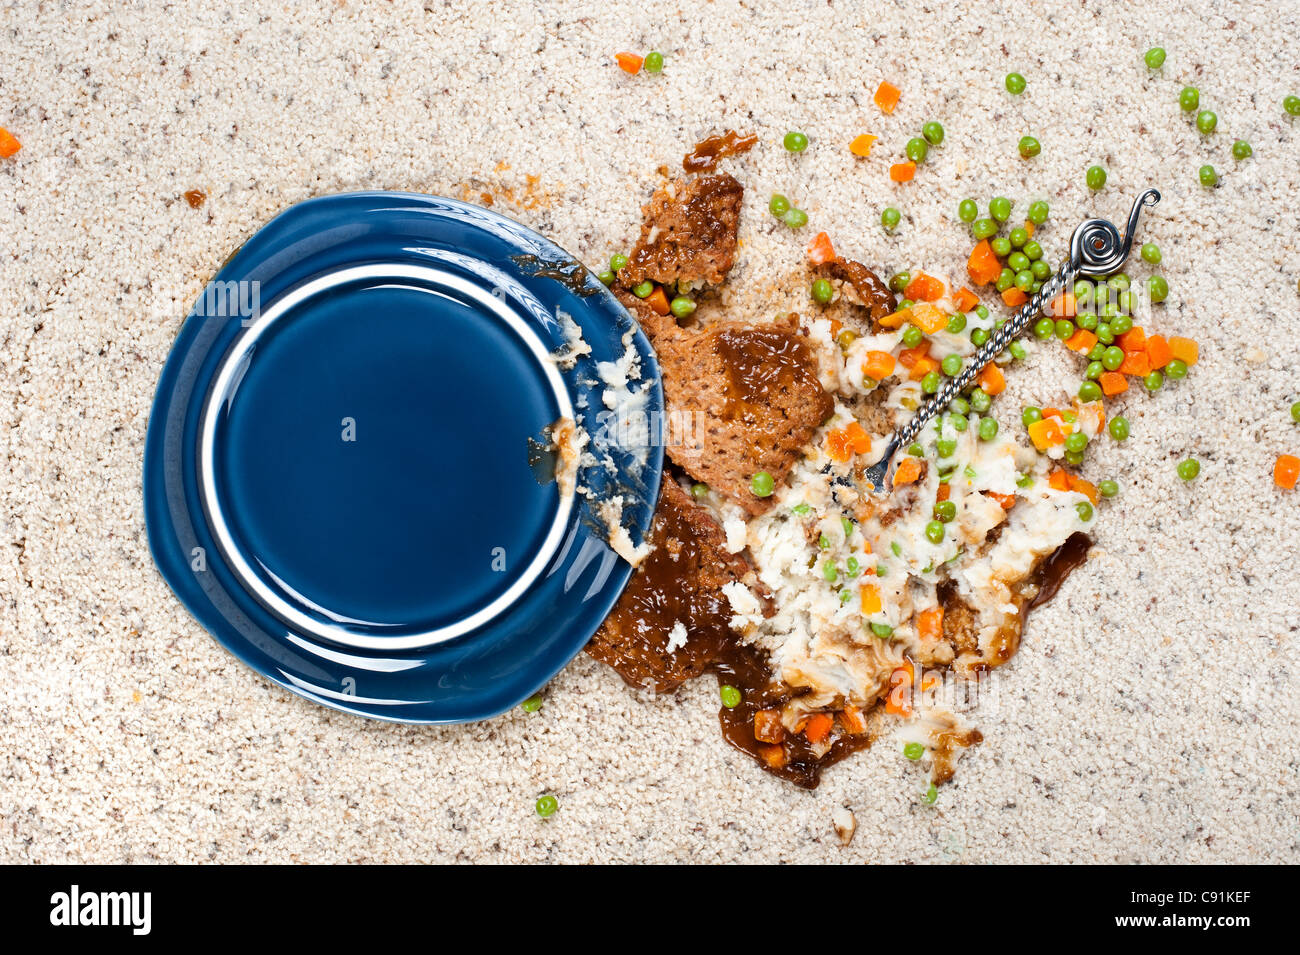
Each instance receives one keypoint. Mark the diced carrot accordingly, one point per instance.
(983, 266)
(859, 440)
(944, 492)
(853, 720)
(1286, 471)
(818, 728)
(929, 623)
(1159, 353)
(896, 319)
(899, 700)
(964, 300)
(887, 96)
(1112, 383)
(902, 171)
(1059, 479)
(861, 145)
(1136, 363)
(1014, 297)
(928, 318)
(9, 144)
(658, 300)
(908, 357)
(1081, 341)
(767, 726)
(1063, 306)
(837, 446)
(879, 365)
(924, 288)
(1044, 434)
(835, 328)
(1029, 228)
(992, 380)
(870, 594)
(909, 469)
(1184, 349)
(628, 62)
(773, 756)
(843, 443)
(924, 365)
(820, 250)
(1053, 413)
(1135, 339)
(1086, 488)
(1003, 501)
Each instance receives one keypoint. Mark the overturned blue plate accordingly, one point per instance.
(343, 480)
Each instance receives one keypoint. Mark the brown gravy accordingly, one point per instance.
(706, 154)
(571, 274)
(762, 363)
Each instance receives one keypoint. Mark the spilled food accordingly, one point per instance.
(827, 611)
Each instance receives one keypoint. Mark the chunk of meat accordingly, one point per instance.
(680, 582)
(864, 285)
(688, 233)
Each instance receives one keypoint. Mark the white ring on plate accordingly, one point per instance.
(232, 370)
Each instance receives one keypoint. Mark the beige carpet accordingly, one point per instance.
(1152, 713)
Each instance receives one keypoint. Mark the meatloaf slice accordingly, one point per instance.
(688, 233)
(865, 287)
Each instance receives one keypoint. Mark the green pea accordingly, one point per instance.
(956, 323)
(795, 141)
(1154, 381)
(848, 527)
(823, 542)
(1095, 177)
(1031, 414)
(1044, 328)
(1015, 84)
(899, 281)
(981, 311)
(1189, 98)
(1094, 371)
(1018, 261)
(1208, 176)
(778, 205)
(959, 406)
(931, 382)
(1064, 328)
(1176, 369)
(1018, 350)
(681, 306)
(1035, 287)
(978, 336)
(795, 218)
(1006, 278)
(1076, 442)
(654, 62)
(1292, 105)
(1206, 121)
(1037, 213)
(1120, 281)
(701, 491)
(1157, 288)
(730, 696)
(883, 630)
(1025, 480)
(914, 751)
(1000, 208)
(916, 150)
(1113, 358)
(644, 289)
(762, 484)
(606, 277)
(890, 218)
(546, 806)
(829, 571)
(1105, 333)
(951, 365)
(1118, 428)
(967, 211)
(931, 795)
(912, 336)
(1029, 147)
(1089, 391)
(915, 450)
(1151, 253)
(1108, 488)
(1001, 246)
(1122, 324)
(980, 400)
(984, 229)
(1241, 150)
(945, 447)
(1295, 411)
(1040, 269)
(822, 292)
(933, 132)
(1084, 510)
(988, 429)
(945, 511)
(1189, 469)
(958, 423)
(1155, 58)
(934, 532)
(1024, 280)
(532, 704)
(1033, 250)
(1074, 458)
(1087, 321)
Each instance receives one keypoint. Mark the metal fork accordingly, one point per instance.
(1096, 249)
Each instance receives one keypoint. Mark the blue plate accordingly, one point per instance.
(341, 475)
